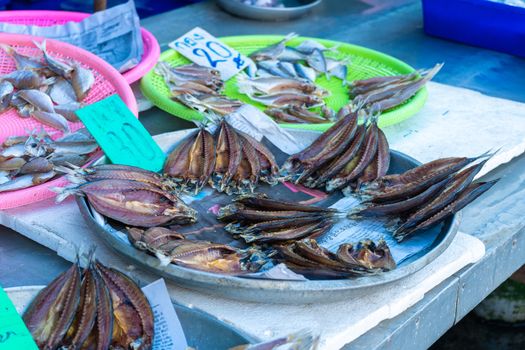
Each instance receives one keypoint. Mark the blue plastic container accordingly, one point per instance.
(483, 23)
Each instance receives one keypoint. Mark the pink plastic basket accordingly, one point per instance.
(108, 81)
(51, 18)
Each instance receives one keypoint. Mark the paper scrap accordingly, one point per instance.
(169, 334)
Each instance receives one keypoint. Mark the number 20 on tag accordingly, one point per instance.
(201, 47)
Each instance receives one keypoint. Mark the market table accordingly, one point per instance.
(394, 27)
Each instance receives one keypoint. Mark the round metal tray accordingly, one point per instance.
(202, 330)
(293, 9)
(273, 291)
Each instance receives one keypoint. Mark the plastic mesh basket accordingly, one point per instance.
(108, 81)
(365, 63)
(50, 18)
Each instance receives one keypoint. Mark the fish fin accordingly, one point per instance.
(290, 36)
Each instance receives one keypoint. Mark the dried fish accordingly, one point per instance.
(24, 79)
(82, 80)
(52, 311)
(305, 72)
(68, 110)
(52, 119)
(23, 62)
(133, 321)
(289, 99)
(58, 67)
(132, 202)
(25, 181)
(38, 99)
(62, 92)
(272, 51)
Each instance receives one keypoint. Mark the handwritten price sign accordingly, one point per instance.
(201, 47)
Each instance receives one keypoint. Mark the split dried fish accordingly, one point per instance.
(309, 258)
(171, 247)
(259, 219)
(380, 94)
(97, 308)
(425, 195)
(273, 51)
(191, 164)
(132, 202)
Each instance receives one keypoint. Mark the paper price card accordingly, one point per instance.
(168, 330)
(201, 47)
(13, 332)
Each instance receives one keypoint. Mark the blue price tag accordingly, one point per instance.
(201, 47)
(121, 136)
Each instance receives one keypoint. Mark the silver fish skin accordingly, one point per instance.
(24, 79)
(22, 61)
(273, 85)
(82, 80)
(76, 136)
(272, 51)
(290, 54)
(15, 140)
(38, 99)
(317, 61)
(12, 164)
(273, 68)
(305, 72)
(68, 110)
(17, 150)
(289, 99)
(4, 177)
(62, 92)
(61, 68)
(26, 181)
(79, 147)
(6, 88)
(53, 120)
(308, 46)
(288, 68)
(36, 165)
(66, 159)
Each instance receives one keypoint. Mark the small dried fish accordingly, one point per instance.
(24, 79)
(62, 92)
(61, 68)
(23, 62)
(26, 181)
(317, 61)
(68, 110)
(289, 99)
(38, 99)
(272, 51)
(82, 80)
(52, 119)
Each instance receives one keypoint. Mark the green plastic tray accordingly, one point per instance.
(365, 63)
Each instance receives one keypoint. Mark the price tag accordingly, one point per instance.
(13, 332)
(121, 136)
(201, 47)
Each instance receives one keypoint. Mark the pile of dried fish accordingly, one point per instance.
(382, 93)
(259, 219)
(129, 195)
(197, 87)
(300, 115)
(425, 195)
(172, 247)
(41, 83)
(231, 162)
(98, 308)
(280, 92)
(347, 154)
(26, 161)
(307, 257)
(305, 61)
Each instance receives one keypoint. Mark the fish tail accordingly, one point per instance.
(8, 49)
(290, 36)
(41, 46)
(64, 192)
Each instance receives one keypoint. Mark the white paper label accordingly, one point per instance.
(168, 330)
(201, 47)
